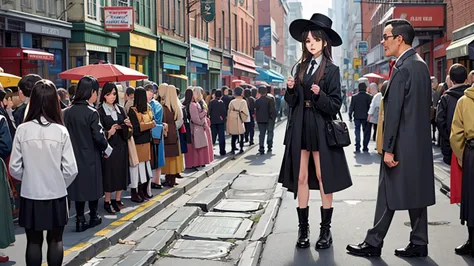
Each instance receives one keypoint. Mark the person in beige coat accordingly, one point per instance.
(462, 143)
(237, 115)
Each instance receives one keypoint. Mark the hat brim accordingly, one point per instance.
(299, 26)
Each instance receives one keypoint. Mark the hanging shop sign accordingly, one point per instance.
(208, 10)
(118, 18)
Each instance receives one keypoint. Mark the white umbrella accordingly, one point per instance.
(373, 75)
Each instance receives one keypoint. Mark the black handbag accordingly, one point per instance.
(337, 133)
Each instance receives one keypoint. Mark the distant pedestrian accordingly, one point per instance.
(359, 108)
(43, 159)
(236, 116)
(265, 112)
(218, 115)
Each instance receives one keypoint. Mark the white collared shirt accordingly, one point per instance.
(43, 159)
(318, 62)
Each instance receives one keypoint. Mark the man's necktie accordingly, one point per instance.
(313, 63)
(392, 64)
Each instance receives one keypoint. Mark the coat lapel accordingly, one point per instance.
(399, 63)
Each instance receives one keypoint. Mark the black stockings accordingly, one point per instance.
(54, 238)
(93, 207)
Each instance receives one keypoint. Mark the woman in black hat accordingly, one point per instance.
(315, 95)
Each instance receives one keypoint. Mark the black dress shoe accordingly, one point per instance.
(364, 250)
(464, 249)
(412, 250)
(95, 221)
(81, 224)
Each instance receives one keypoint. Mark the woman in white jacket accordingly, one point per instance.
(43, 159)
(373, 112)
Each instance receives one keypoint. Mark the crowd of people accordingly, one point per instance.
(105, 148)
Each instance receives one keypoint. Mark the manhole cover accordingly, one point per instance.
(436, 223)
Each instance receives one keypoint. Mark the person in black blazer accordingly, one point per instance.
(314, 97)
(250, 126)
(218, 114)
(265, 113)
(25, 86)
(359, 108)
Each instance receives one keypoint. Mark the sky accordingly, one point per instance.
(315, 6)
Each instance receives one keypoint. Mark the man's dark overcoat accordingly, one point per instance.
(334, 169)
(407, 134)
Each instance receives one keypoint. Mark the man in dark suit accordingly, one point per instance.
(218, 115)
(266, 114)
(358, 110)
(406, 179)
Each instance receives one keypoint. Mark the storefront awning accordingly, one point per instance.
(245, 68)
(178, 76)
(26, 54)
(269, 76)
(460, 47)
(38, 55)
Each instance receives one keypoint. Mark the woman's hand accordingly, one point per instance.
(112, 130)
(290, 83)
(315, 89)
(128, 123)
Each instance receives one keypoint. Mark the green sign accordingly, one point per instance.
(208, 10)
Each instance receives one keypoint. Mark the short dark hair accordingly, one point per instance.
(72, 90)
(402, 27)
(247, 93)
(362, 86)
(44, 102)
(140, 100)
(108, 88)
(149, 87)
(254, 92)
(269, 89)
(458, 73)
(85, 88)
(129, 91)
(2, 95)
(213, 91)
(27, 83)
(262, 90)
(218, 93)
(224, 88)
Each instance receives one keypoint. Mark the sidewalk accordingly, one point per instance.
(79, 247)
(442, 171)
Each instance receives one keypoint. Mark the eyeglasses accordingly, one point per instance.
(385, 36)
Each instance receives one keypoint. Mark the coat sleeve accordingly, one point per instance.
(442, 118)
(146, 126)
(195, 117)
(330, 102)
(352, 107)
(457, 139)
(68, 161)
(98, 134)
(291, 95)
(16, 159)
(5, 139)
(393, 108)
(272, 110)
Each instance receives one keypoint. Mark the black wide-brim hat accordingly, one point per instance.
(317, 22)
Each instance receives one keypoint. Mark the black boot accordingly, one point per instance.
(303, 232)
(135, 197)
(141, 192)
(81, 224)
(466, 248)
(325, 237)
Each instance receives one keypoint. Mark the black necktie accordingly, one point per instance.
(313, 63)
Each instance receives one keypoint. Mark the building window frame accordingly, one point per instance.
(92, 9)
(40, 6)
(26, 3)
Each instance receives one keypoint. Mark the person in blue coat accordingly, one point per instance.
(157, 145)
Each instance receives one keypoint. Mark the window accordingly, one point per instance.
(195, 25)
(206, 30)
(166, 14)
(251, 40)
(236, 41)
(26, 3)
(215, 32)
(91, 9)
(102, 5)
(247, 38)
(119, 2)
(219, 43)
(223, 28)
(242, 34)
(147, 4)
(40, 5)
(52, 7)
(162, 13)
(251, 7)
(178, 18)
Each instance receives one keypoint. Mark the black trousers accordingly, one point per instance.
(237, 138)
(93, 208)
(250, 130)
(365, 129)
(219, 130)
(383, 219)
(374, 136)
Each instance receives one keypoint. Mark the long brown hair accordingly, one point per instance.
(44, 102)
(305, 59)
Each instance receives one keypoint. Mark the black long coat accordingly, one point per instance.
(334, 169)
(407, 134)
(89, 141)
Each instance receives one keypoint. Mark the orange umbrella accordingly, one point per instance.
(103, 72)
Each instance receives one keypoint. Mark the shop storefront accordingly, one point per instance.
(440, 62)
(34, 46)
(226, 71)
(198, 64)
(138, 52)
(91, 44)
(172, 62)
(215, 66)
(244, 68)
(269, 76)
(461, 49)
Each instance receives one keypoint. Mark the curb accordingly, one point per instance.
(445, 187)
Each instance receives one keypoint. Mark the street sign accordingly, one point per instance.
(363, 47)
(208, 10)
(357, 62)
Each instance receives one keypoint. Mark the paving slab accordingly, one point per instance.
(139, 258)
(200, 249)
(229, 205)
(116, 251)
(264, 194)
(251, 254)
(224, 185)
(160, 217)
(179, 219)
(140, 234)
(157, 241)
(102, 262)
(206, 199)
(254, 182)
(229, 176)
(190, 262)
(205, 227)
(228, 214)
